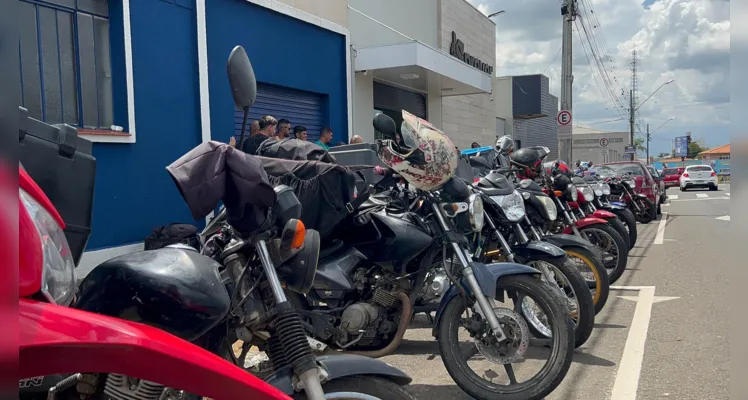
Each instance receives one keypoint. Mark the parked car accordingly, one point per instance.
(672, 176)
(648, 181)
(698, 176)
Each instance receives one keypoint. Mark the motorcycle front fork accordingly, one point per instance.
(472, 282)
(310, 380)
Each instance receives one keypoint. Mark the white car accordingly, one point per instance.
(698, 176)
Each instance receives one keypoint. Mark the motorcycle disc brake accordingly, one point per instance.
(516, 344)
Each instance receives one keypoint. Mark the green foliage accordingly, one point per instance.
(694, 149)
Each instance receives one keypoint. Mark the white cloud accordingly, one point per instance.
(684, 40)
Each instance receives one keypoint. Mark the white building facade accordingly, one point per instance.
(598, 146)
(434, 59)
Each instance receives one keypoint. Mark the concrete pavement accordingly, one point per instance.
(662, 334)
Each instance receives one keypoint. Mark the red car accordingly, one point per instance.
(648, 181)
(672, 176)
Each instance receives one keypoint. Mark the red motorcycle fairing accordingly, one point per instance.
(583, 223)
(573, 204)
(55, 339)
(603, 214)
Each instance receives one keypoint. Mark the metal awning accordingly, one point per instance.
(423, 68)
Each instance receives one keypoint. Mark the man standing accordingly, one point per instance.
(267, 127)
(254, 127)
(284, 129)
(356, 139)
(325, 137)
(300, 132)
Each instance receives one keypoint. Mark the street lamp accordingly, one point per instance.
(650, 134)
(495, 14)
(663, 124)
(653, 93)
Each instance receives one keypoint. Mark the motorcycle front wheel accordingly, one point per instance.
(457, 350)
(628, 218)
(591, 266)
(612, 246)
(647, 211)
(618, 225)
(362, 387)
(572, 288)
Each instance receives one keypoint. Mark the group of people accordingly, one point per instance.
(268, 127)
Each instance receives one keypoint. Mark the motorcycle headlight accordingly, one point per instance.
(571, 190)
(606, 189)
(587, 192)
(629, 183)
(598, 188)
(475, 211)
(550, 207)
(512, 204)
(58, 273)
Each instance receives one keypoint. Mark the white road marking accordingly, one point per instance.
(661, 229)
(657, 299)
(702, 195)
(629, 369)
(724, 218)
(672, 197)
(707, 199)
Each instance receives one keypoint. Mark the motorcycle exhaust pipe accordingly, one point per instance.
(401, 328)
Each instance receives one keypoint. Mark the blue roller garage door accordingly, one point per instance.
(299, 107)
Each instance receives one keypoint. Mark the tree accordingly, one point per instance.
(694, 149)
(640, 147)
(663, 155)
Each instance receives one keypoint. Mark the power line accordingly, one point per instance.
(554, 59)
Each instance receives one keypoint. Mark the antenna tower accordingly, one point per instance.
(634, 83)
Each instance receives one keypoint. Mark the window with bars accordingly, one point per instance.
(66, 74)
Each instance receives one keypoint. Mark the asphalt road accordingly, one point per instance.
(664, 331)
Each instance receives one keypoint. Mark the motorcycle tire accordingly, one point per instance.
(599, 282)
(648, 213)
(617, 270)
(537, 387)
(585, 318)
(616, 224)
(364, 384)
(628, 219)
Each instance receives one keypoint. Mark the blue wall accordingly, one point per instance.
(133, 191)
(284, 51)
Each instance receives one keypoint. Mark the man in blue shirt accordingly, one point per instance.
(325, 138)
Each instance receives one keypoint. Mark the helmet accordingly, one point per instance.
(428, 159)
(505, 144)
(530, 160)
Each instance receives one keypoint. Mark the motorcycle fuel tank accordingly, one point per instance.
(178, 291)
(400, 241)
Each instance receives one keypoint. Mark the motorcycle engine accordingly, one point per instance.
(121, 387)
(437, 283)
(357, 317)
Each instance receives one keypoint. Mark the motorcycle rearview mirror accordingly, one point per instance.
(384, 124)
(242, 82)
(241, 78)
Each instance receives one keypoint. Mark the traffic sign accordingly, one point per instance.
(563, 120)
(604, 142)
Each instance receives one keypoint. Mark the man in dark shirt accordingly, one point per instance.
(268, 125)
(284, 129)
(300, 132)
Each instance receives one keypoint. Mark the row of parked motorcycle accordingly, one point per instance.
(511, 267)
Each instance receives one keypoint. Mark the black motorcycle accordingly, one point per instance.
(504, 238)
(403, 249)
(622, 190)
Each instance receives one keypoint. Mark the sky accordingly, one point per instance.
(684, 40)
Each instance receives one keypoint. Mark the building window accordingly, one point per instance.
(66, 74)
(724, 157)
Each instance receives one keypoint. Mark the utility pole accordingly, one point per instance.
(569, 13)
(647, 143)
(632, 101)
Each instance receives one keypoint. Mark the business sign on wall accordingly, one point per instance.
(457, 49)
(681, 146)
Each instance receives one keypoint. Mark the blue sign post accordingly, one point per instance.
(681, 146)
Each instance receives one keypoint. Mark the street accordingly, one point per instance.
(664, 330)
